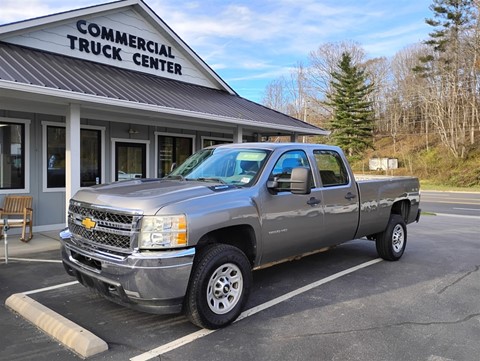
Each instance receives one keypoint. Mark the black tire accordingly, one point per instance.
(219, 286)
(391, 243)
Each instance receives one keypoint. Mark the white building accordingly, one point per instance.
(106, 93)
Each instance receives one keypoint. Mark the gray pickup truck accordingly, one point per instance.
(191, 240)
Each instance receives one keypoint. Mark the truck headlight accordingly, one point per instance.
(163, 232)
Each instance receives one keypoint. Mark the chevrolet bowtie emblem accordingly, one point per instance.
(88, 223)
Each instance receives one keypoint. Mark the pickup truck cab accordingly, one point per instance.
(190, 241)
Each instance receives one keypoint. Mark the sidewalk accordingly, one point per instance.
(41, 242)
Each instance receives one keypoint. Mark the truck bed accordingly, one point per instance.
(378, 194)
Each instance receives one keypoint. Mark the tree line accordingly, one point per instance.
(430, 89)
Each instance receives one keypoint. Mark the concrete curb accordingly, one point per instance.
(76, 338)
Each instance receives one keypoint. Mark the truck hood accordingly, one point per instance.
(147, 195)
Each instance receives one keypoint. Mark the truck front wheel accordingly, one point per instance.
(219, 286)
(391, 243)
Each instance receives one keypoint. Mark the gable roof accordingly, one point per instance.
(19, 28)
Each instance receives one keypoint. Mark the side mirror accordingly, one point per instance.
(301, 180)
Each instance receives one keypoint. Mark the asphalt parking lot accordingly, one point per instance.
(424, 307)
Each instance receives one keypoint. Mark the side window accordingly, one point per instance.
(285, 164)
(90, 156)
(12, 156)
(55, 157)
(331, 167)
(172, 151)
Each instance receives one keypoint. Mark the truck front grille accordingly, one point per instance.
(103, 227)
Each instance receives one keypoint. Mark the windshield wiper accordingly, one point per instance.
(180, 177)
(211, 179)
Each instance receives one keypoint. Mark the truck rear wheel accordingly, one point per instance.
(391, 243)
(219, 286)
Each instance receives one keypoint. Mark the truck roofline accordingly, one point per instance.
(274, 146)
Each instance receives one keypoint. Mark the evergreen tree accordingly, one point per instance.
(451, 20)
(353, 116)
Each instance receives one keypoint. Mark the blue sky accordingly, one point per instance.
(250, 43)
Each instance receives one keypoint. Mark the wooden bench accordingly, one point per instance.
(18, 212)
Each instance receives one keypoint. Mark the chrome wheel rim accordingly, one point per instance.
(224, 288)
(398, 238)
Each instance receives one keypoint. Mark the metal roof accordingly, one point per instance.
(52, 71)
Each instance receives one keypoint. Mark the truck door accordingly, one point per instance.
(340, 198)
(291, 222)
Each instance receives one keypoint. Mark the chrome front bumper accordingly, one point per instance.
(154, 282)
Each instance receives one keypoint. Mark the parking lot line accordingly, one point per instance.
(172, 345)
(201, 333)
(50, 288)
(456, 215)
(304, 289)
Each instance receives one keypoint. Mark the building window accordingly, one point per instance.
(55, 157)
(172, 151)
(130, 161)
(90, 156)
(208, 142)
(12, 155)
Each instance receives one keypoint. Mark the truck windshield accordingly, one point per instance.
(223, 165)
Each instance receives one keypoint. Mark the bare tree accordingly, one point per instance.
(377, 71)
(324, 61)
(450, 96)
(289, 94)
(297, 88)
(424, 89)
(275, 97)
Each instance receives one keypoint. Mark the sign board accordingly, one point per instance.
(383, 163)
(122, 38)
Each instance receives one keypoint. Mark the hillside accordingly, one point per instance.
(434, 165)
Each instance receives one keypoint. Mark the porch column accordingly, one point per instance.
(72, 153)
(294, 137)
(238, 135)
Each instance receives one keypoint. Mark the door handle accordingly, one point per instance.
(350, 196)
(313, 201)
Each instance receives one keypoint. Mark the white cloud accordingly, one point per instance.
(262, 39)
(398, 31)
(13, 10)
(273, 73)
(218, 66)
(30, 8)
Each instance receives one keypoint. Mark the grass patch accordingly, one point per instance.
(434, 165)
(432, 186)
(428, 214)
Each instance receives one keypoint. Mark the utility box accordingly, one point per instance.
(383, 163)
